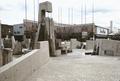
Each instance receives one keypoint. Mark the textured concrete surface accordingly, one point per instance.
(78, 67)
(24, 66)
(108, 47)
(90, 44)
(74, 43)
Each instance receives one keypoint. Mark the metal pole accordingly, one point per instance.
(26, 9)
(81, 12)
(58, 17)
(71, 15)
(93, 11)
(85, 11)
(34, 9)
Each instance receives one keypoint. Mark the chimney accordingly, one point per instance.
(111, 26)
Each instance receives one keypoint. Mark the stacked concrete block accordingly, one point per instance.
(7, 55)
(26, 65)
(66, 47)
(108, 47)
(58, 52)
(58, 47)
(74, 43)
(90, 44)
(18, 48)
(117, 49)
(58, 43)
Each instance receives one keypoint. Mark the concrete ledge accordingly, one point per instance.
(21, 68)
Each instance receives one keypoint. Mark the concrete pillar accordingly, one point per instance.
(13, 42)
(0, 47)
(7, 55)
(51, 37)
(111, 27)
(46, 27)
(18, 48)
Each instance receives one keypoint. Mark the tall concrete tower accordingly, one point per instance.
(111, 26)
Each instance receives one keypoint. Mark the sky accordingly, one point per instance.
(64, 11)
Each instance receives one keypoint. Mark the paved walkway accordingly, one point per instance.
(78, 67)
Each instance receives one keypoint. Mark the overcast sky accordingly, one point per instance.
(13, 11)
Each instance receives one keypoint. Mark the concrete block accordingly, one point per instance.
(47, 6)
(18, 48)
(21, 68)
(74, 43)
(90, 44)
(58, 52)
(7, 55)
(108, 47)
(37, 45)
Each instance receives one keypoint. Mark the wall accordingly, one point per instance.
(21, 68)
(90, 44)
(108, 47)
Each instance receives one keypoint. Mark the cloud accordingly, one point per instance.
(102, 11)
(13, 11)
(3, 8)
